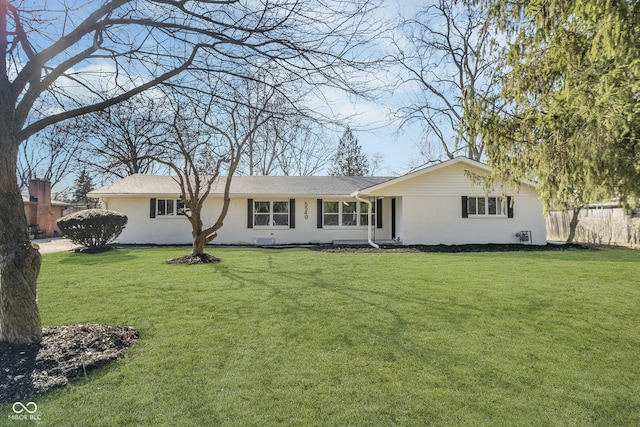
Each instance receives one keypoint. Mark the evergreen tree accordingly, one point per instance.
(81, 187)
(572, 89)
(573, 93)
(349, 159)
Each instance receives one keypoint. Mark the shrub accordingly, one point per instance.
(92, 228)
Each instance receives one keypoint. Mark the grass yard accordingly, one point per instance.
(302, 338)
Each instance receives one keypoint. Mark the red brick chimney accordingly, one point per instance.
(40, 191)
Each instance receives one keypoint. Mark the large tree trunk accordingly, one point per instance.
(199, 243)
(201, 239)
(19, 260)
(573, 224)
(195, 219)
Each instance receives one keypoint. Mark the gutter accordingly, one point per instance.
(356, 195)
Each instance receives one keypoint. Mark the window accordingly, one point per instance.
(281, 213)
(271, 214)
(331, 213)
(345, 214)
(479, 206)
(364, 213)
(169, 207)
(349, 214)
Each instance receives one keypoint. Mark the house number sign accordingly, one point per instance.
(306, 210)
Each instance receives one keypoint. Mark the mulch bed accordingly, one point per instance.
(195, 259)
(451, 248)
(65, 353)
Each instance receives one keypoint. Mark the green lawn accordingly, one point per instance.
(296, 337)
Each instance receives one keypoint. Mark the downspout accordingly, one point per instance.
(356, 195)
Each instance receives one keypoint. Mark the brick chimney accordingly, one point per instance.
(40, 192)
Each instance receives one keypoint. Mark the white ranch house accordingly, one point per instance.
(439, 204)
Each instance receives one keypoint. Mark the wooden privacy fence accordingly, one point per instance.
(605, 226)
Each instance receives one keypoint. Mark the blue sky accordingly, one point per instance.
(377, 133)
(371, 121)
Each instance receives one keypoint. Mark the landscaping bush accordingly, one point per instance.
(92, 228)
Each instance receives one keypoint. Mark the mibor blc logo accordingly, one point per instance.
(25, 411)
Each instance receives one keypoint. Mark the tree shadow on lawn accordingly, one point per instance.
(113, 256)
(369, 303)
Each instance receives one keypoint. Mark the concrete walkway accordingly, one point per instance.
(55, 244)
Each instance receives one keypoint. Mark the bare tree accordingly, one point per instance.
(376, 162)
(308, 151)
(264, 150)
(60, 58)
(294, 146)
(269, 141)
(121, 140)
(280, 144)
(449, 54)
(49, 154)
(210, 134)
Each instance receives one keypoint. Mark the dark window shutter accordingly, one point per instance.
(465, 210)
(379, 213)
(249, 213)
(152, 208)
(393, 218)
(292, 213)
(509, 207)
(319, 209)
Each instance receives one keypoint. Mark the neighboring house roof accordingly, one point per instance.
(27, 199)
(138, 185)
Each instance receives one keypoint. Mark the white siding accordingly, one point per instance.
(399, 218)
(429, 210)
(142, 229)
(438, 220)
(447, 181)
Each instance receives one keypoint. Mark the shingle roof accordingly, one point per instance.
(245, 185)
